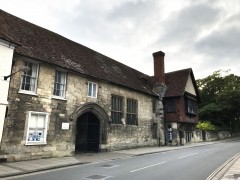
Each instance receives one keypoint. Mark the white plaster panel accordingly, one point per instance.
(6, 55)
(190, 87)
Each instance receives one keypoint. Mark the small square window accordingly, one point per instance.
(92, 89)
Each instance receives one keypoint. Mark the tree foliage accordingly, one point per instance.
(206, 125)
(220, 95)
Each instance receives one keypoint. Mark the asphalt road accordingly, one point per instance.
(195, 163)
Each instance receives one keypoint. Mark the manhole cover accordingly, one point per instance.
(97, 177)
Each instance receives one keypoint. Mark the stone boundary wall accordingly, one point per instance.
(200, 136)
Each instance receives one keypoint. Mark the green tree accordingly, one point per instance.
(220, 95)
(206, 125)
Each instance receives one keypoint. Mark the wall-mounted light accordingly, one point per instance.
(23, 69)
(162, 90)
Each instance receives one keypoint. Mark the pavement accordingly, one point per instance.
(230, 170)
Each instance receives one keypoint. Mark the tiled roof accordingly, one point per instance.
(46, 46)
(176, 82)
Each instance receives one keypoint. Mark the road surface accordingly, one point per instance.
(195, 163)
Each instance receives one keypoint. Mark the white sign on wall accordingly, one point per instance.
(65, 125)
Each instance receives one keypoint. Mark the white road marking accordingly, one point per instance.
(148, 166)
(209, 150)
(227, 146)
(188, 155)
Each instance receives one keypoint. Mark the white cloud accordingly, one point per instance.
(192, 33)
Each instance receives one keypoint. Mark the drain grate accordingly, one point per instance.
(236, 176)
(97, 177)
(108, 165)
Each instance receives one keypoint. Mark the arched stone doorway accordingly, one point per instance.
(88, 118)
(88, 133)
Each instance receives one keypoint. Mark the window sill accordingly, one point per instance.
(112, 124)
(4, 103)
(92, 97)
(35, 143)
(131, 125)
(59, 98)
(27, 92)
(191, 114)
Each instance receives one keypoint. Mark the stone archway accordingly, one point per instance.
(88, 117)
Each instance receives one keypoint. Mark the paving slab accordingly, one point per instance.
(234, 171)
(5, 170)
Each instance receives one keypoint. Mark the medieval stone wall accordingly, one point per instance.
(62, 142)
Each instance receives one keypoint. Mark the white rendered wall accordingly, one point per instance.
(6, 55)
(190, 87)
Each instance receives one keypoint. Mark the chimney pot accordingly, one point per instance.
(159, 53)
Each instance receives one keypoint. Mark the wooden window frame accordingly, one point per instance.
(91, 93)
(170, 105)
(191, 106)
(62, 84)
(29, 79)
(43, 140)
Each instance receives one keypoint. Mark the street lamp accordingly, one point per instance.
(23, 69)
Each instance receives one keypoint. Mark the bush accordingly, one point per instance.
(207, 126)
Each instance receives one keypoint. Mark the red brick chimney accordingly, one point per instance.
(159, 72)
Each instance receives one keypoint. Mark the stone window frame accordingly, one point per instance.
(117, 109)
(64, 84)
(43, 129)
(132, 112)
(91, 92)
(29, 74)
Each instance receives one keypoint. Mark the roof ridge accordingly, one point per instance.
(186, 69)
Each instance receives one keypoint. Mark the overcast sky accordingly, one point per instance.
(200, 34)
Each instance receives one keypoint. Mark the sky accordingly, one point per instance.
(200, 34)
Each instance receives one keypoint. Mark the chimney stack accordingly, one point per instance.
(159, 72)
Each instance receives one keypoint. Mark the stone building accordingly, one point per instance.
(64, 98)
